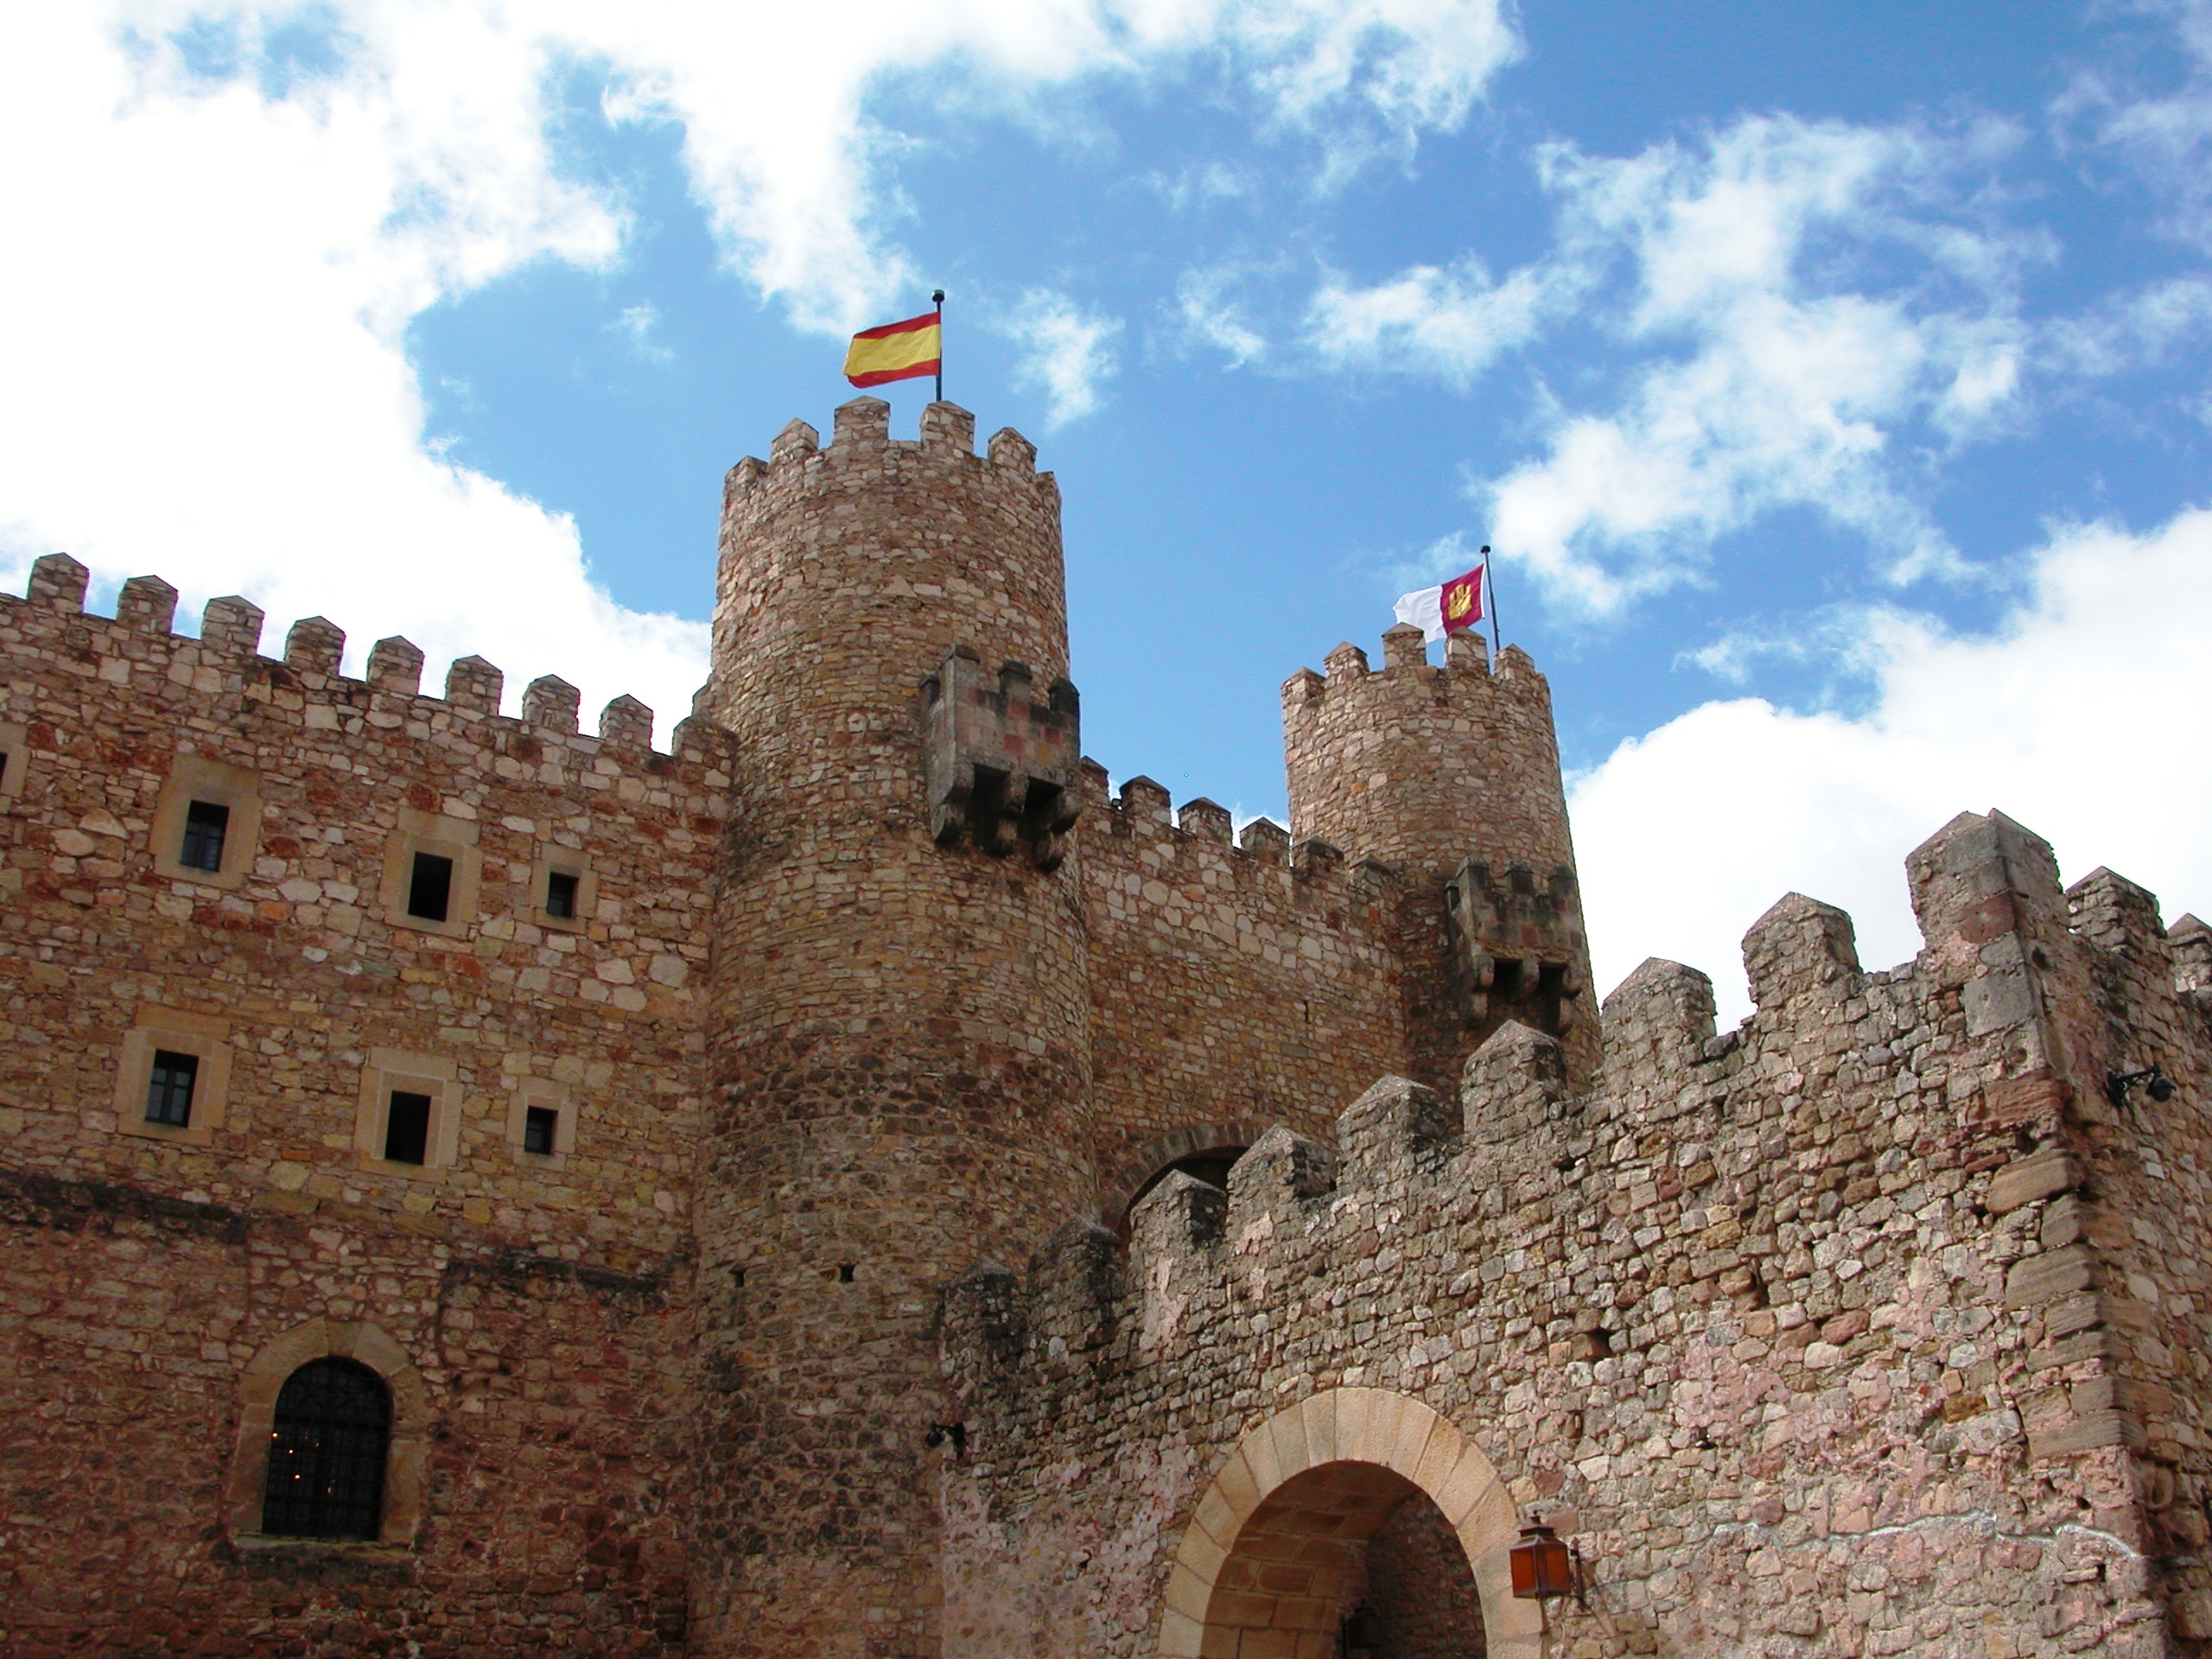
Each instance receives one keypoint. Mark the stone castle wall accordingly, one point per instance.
(1874, 1326)
(1235, 985)
(1804, 1332)
(528, 1307)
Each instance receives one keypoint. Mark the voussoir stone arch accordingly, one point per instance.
(1375, 1427)
(1125, 1183)
(406, 1463)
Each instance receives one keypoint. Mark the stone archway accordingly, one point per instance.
(1134, 1175)
(1342, 1460)
(407, 1460)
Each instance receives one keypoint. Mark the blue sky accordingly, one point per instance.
(1830, 378)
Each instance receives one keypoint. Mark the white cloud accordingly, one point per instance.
(1769, 379)
(1453, 323)
(1207, 315)
(2083, 717)
(2165, 135)
(207, 377)
(1802, 306)
(219, 241)
(779, 147)
(2134, 327)
(1442, 560)
(636, 324)
(1066, 351)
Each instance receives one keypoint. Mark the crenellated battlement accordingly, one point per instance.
(863, 454)
(136, 648)
(1142, 814)
(1788, 1192)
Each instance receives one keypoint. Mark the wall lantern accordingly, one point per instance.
(2156, 1083)
(1544, 1567)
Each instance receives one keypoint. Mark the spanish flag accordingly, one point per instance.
(897, 351)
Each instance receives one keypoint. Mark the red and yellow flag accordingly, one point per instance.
(896, 351)
(1461, 600)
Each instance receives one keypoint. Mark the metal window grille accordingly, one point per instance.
(205, 824)
(407, 1128)
(168, 1088)
(327, 1452)
(538, 1125)
(429, 890)
(561, 893)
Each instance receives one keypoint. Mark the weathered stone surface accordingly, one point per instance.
(2026, 1179)
(1351, 1237)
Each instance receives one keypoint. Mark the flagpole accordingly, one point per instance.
(938, 295)
(1492, 580)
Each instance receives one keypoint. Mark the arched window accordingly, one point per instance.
(327, 1444)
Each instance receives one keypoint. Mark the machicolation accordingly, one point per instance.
(855, 1185)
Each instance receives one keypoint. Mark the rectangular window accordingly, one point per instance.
(407, 1129)
(430, 889)
(561, 893)
(205, 824)
(538, 1125)
(168, 1088)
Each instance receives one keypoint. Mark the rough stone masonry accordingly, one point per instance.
(850, 1185)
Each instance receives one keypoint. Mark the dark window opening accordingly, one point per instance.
(168, 1088)
(844, 1273)
(206, 825)
(1211, 1166)
(737, 1277)
(407, 1129)
(561, 893)
(538, 1125)
(327, 1452)
(429, 890)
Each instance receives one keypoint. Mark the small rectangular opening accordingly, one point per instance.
(429, 888)
(168, 1088)
(407, 1129)
(205, 824)
(539, 1125)
(561, 893)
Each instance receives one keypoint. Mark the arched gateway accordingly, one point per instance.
(1277, 1543)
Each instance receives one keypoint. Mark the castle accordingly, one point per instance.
(849, 1185)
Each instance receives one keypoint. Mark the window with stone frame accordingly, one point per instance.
(433, 874)
(207, 823)
(564, 892)
(328, 1442)
(542, 1123)
(173, 1076)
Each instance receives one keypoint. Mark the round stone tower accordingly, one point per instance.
(1450, 776)
(898, 1046)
